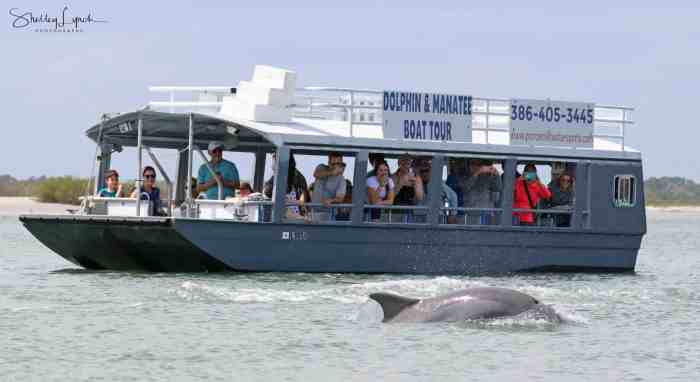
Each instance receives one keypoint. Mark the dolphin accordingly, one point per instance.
(467, 304)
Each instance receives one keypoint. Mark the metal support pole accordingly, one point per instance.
(581, 199)
(103, 163)
(624, 123)
(139, 177)
(259, 171)
(180, 174)
(352, 112)
(166, 177)
(435, 190)
(509, 168)
(189, 163)
(279, 193)
(488, 111)
(359, 189)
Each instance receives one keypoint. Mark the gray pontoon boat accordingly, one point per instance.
(603, 230)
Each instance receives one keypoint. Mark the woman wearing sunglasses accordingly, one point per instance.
(562, 198)
(149, 191)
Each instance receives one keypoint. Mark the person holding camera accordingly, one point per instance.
(481, 190)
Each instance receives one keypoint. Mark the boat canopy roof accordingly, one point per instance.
(171, 131)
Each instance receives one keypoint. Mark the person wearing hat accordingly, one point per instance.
(225, 171)
(113, 189)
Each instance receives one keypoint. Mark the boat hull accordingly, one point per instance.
(120, 244)
(191, 245)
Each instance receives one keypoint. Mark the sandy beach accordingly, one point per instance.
(15, 206)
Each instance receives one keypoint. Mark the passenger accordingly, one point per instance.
(448, 195)
(409, 187)
(329, 187)
(528, 191)
(480, 190)
(225, 171)
(380, 190)
(193, 184)
(149, 191)
(113, 188)
(344, 212)
(562, 198)
(245, 189)
(457, 173)
(374, 160)
(296, 182)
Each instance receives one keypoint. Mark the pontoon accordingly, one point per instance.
(269, 114)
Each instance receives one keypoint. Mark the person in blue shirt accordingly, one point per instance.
(226, 172)
(149, 191)
(113, 189)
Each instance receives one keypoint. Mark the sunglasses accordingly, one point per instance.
(149, 176)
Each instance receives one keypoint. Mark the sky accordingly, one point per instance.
(646, 55)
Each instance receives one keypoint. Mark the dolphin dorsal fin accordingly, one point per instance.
(392, 304)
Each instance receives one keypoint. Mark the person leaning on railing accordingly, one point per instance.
(226, 172)
(562, 198)
(527, 193)
(380, 190)
(114, 188)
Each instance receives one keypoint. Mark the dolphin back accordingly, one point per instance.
(392, 304)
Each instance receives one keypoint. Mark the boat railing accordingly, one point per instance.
(260, 211)
(124, 207)
(491, 117)
(252, 211)
(471, 216)
(560, 216)
(383, 214)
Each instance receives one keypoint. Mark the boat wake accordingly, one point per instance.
(354, 291)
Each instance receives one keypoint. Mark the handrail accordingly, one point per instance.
(554, 211)
(396, 207)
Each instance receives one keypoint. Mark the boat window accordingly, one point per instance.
(624, 194)
(477, 184)
(398, 188)
(319, 187)
(544, 194)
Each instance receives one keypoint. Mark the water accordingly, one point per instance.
(60, 323)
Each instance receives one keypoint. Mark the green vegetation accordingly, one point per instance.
(63, 189)
(671, 191)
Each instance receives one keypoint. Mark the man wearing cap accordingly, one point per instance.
(225, 171)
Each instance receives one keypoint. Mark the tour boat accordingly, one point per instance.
(602, 227)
